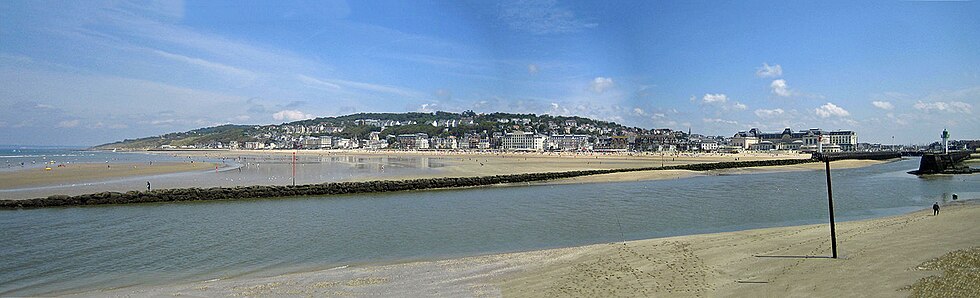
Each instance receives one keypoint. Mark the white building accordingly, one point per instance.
(568, 142)
(318, 143)
(810, 140)
(254, 145)
(522, 141)
(709, 146)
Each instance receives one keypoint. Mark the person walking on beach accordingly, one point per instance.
(147, 185)
(935, 208)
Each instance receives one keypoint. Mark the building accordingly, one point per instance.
(810, 140)
(846, 139)
(254, 145)
(522, 141)
(568, 142)
(413, 141)
(745, 139)
(709, 145)
(317, 143)
(444, 143)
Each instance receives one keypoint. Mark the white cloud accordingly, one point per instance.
(884, 105)
(68, 123)
(721, 101)
(163, 122)
(720, 121)
(557, 109)
(314, 82)
(541, 17)
(214, 66)
(600, 84)
(291, 115)
(780, 88)
(942, 106)
(639, 112)
(767, 71)
(763, 113)
(831, 109)
(532, 69)
(101, 125)
(428, 108)
(714, 98)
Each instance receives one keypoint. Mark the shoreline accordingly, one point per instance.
(877, 256)
(78, 173)
(333, 188)
(442, 181)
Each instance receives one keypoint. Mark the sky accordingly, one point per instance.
(92, 72)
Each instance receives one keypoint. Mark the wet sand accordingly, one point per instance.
(678, 174)
(87, 172)
(469, 164)
(878, 257)
(273, 168)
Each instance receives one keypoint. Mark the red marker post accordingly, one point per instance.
(294, 168)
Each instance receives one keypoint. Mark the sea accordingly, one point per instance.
(79, 249)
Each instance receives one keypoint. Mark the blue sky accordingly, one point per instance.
(91, 72)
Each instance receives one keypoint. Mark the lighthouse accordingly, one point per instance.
(945, 137)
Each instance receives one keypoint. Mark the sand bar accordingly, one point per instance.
(878, 257)
(86, 172)
(25, 184)
(471, 164)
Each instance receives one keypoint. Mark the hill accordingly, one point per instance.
(361, 125)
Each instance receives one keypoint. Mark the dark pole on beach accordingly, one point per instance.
(294, 168)
(830, 200)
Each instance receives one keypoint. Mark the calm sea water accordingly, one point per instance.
(65, 250)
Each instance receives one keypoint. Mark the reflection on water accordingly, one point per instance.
(56, 250)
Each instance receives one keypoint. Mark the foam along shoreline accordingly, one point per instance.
(879, 257)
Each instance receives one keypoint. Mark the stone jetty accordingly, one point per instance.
(944, 163)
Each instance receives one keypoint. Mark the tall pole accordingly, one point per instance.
(830, 200)
(294, 168)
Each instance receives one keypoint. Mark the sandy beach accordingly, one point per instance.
(272, 167)
(678, 174)
(878, 257)
(470, 164)
(87, 172)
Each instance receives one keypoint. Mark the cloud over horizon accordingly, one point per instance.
(291, 115)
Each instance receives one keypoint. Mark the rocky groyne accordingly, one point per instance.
(881, 155)
(944, 163)
(335, 188)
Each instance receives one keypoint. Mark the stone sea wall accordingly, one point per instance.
(937, 163)
(334, 188)
(882, 155)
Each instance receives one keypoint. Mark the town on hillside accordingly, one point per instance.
(503, 132)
